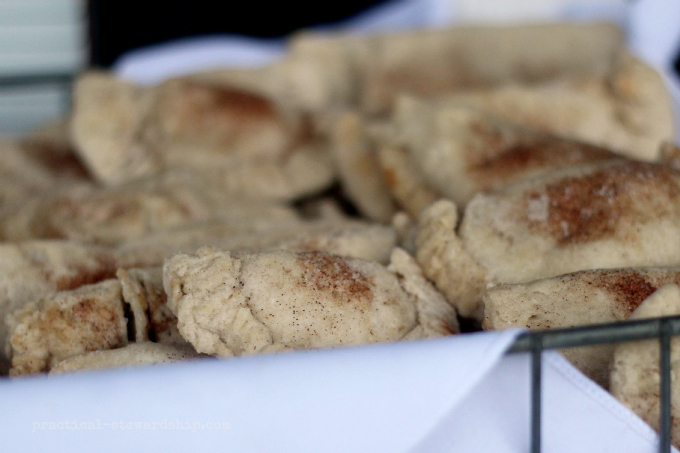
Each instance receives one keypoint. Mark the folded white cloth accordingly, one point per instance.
(459, 394)
(375, 398)
(578, 415)
(153, 64)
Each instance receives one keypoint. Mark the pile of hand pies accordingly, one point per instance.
(362, 189)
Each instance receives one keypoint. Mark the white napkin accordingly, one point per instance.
(457, 394)
(578, 415)
(374, 398)
(153, 64)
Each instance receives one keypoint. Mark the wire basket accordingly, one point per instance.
(619, 332)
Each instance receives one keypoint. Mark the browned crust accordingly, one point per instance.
(218, 111)
(520, 159)
(630, 287)
(592, 206)
(57, 159)
(163, 322)
(332, 274)
(504, 157)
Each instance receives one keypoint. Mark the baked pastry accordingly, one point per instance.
(409, 186)
(446, 262)
(233, 304)
(586, 297)
(31, 270)
(358, 168)
(243, 142)
(134, 354)
(460, 151)
(66, 324)
(610, 214)
(635, 373)
(380, 67)
(33, 166)
(216, 159)
(627, 110)
(149, 317)
(340, 236)
(110, 216)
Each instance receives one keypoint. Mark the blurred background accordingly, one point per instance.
(44, 43)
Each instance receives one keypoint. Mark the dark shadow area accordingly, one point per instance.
(468, 325)
(116, 27)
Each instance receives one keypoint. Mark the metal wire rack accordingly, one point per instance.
(65, 79)
(62, 80)
(660, 328)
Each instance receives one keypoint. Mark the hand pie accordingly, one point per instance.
(380, 67)
(241, 141)
(66, 324)
(233, 304)
(110, 216)
(584, 297)
(31, 270)
(358, 167)
(460, 151)
(627, 110)
(635, 374)
(134, 354)
(610, 214)
(340, 236)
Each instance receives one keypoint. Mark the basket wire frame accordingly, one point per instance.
(60, 79)
(660, 328)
